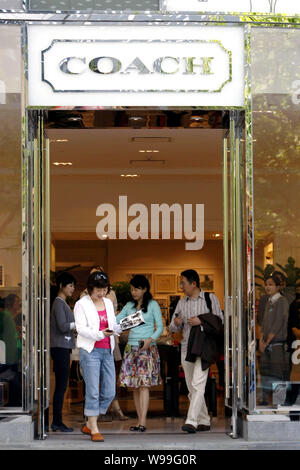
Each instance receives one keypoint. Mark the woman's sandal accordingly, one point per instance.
(117, 414)
(142, 428)
(134, 428)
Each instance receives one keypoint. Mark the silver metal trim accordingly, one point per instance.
(226, 268)
(126, 41)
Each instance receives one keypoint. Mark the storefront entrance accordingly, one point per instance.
(87, 162)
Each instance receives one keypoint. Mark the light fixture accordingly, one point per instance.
(104, 236)
(216, 235)
(130, 176)
(196, 118)
(62, 163)
(136, 118)
(149, 151)
(75, 118)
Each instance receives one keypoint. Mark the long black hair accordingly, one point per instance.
(141, 282)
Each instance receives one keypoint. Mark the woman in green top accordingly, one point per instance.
(141, 363)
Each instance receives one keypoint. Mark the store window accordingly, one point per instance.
(276, 163)
(66, 5)
(11, 5)
(10, 219)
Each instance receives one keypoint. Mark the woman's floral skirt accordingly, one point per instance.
(137, 371)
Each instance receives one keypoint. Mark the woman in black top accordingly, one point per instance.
(62, 341)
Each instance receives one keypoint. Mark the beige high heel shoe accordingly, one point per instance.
(118, 415)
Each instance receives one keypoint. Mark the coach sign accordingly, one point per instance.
(166, 67)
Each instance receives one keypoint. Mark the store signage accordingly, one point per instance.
(152, 66)
(290, 7)
(207, 69)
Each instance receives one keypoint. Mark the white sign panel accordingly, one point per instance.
(135, 66)
(289, 7)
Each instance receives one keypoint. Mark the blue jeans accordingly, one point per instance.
(98, 370)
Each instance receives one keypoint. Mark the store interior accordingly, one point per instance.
(151, 157)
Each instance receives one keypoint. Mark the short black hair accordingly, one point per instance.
(98, 279)
(280, 274)
(64, 279)
(276, 278)
(10, 300)
(192, 276)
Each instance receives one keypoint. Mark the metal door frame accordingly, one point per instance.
(233, 196)
(39, 149)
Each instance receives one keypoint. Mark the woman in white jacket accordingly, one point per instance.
(96, 324)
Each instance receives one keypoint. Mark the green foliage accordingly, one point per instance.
(290, 270)
(122, 291)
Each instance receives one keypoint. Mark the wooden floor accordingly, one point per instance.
(158, 422)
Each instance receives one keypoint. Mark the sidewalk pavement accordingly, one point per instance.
(176, 442)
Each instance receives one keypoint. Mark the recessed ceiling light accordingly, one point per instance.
(62, 163)
(75, 118)
(130, 176)
(196, 118)
(149, 151)
(136, 118)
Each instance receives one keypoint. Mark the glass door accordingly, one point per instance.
(234, 311)
(41, 269)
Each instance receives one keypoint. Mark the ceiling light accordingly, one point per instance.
(136, 118)
(130, 176)
(151, 139)
(217, 235)
(196, 118)
(149, 151)
(62, 163)
(75, 118)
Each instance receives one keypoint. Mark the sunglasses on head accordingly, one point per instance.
(99, 276)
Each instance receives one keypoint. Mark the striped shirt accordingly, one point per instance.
(189, 307)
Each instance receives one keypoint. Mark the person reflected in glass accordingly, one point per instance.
(264, 298)
(293, 389)
(96, 325)
(62, 341)
(274, 361)
(140, 368)
(11, 348)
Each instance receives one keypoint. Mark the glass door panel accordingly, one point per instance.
(41, 270)
(235, 338)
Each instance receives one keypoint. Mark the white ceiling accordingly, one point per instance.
(109, 151)
(191, 174)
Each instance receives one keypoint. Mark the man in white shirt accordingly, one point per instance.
(186, 316)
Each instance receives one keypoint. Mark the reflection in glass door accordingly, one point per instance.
(41, 269)
(234, 267)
